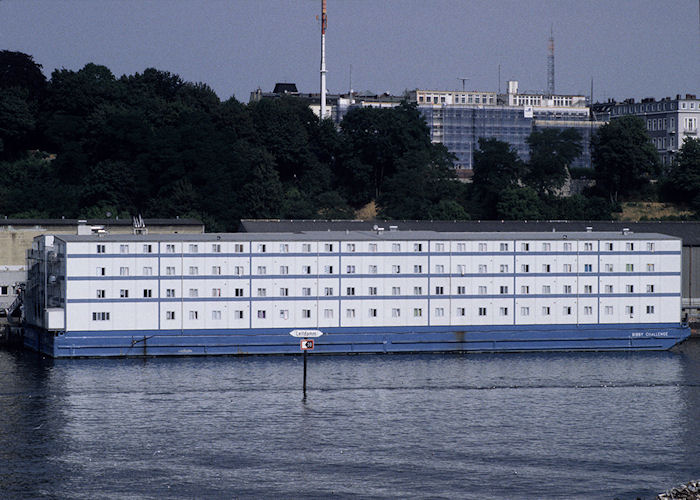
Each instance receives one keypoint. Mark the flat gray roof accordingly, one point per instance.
(370, 236)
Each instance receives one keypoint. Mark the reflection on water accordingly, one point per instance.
(569, 425)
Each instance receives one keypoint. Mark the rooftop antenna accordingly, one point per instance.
(550, 62)
(324, 23)
(464, 81)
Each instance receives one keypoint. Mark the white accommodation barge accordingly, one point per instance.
(367, 291)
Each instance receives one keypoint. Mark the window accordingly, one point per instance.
(504, 268)
(650, 268)
(100, 293)
(503, 247)
(349, 313)
(567, 247)
(194, 270)
(439, 290)
(546, 311)
(482, 311)
(608, 289)
(328, 313)
(238, 292)
(216, 315)
(100, 316)
(439, 247)
(483, 290)
(194, 314)
(147, 293)
(395, 290)
(170, 293)
(396, 313)
(439, 312)
(609, 247)
(629, 310)
(350, 290)
(238, 270)
(262, 313)
(608, 268)
(546, 268)
(546, 289)
(284, 292)
(101, 248)
(328, 247)
(194, 292)
(193, 248)
(629, 288)
(650, 288)
(372, 247)
(504, 289)
(261, 249)
(608, 310)
(328, 269)
(567, 289)
(417, 290)
(629, 246)
(372, 290)
(524, 289)
(216, 248)
(395, 269)
(525, 247)
(350, 247)
(503, 311)
(461, 290)
(525, 268)
(169, 314)
(587, 310)
(524, 311)
(284, 247)
(650, 309)
(396, 247)
(461, 311)
(588, 247)
(417, 247)
(567, 311)
(124, 293)
(483, 268)
(123, 248)
(350, 269)
(461, 247)
(588, 268)
(216, 292)
(261, 270)
(650, 247)
(306, 247)
(170, 270)
(567, 268)
(587, 288)
(417, 269)
(238, 314)
(546, 247)
(216, 269)
(629, 268)
(305, 269)
(238, 248)
(439, 268)
(306, 313)
(482, 247)
(306, 291)
(262, 292)
(284, 269)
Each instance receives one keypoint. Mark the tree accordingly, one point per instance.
(624, 158)
(518, 203)
(19, 70)
(497, 167)
(551, 152)
(682, 182)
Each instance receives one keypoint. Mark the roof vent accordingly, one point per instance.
(625, 230)
(393, 228)
(589, 229)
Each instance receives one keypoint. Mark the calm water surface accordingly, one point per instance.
(589, 425)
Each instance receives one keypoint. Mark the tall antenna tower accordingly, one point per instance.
(550, 63)
(324, 22)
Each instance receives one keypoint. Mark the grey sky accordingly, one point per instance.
(631, 48)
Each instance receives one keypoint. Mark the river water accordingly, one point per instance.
(565, 425)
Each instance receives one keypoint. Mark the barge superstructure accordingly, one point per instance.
(367, 291)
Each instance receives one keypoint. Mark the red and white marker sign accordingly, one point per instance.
(307, 344)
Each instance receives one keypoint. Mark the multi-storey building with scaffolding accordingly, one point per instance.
(668, 121)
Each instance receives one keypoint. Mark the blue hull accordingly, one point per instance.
(359, 340)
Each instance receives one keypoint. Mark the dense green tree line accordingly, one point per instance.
(86, 144)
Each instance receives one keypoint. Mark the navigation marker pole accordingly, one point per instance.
(306, 344)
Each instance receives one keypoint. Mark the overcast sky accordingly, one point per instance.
(630, 48)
